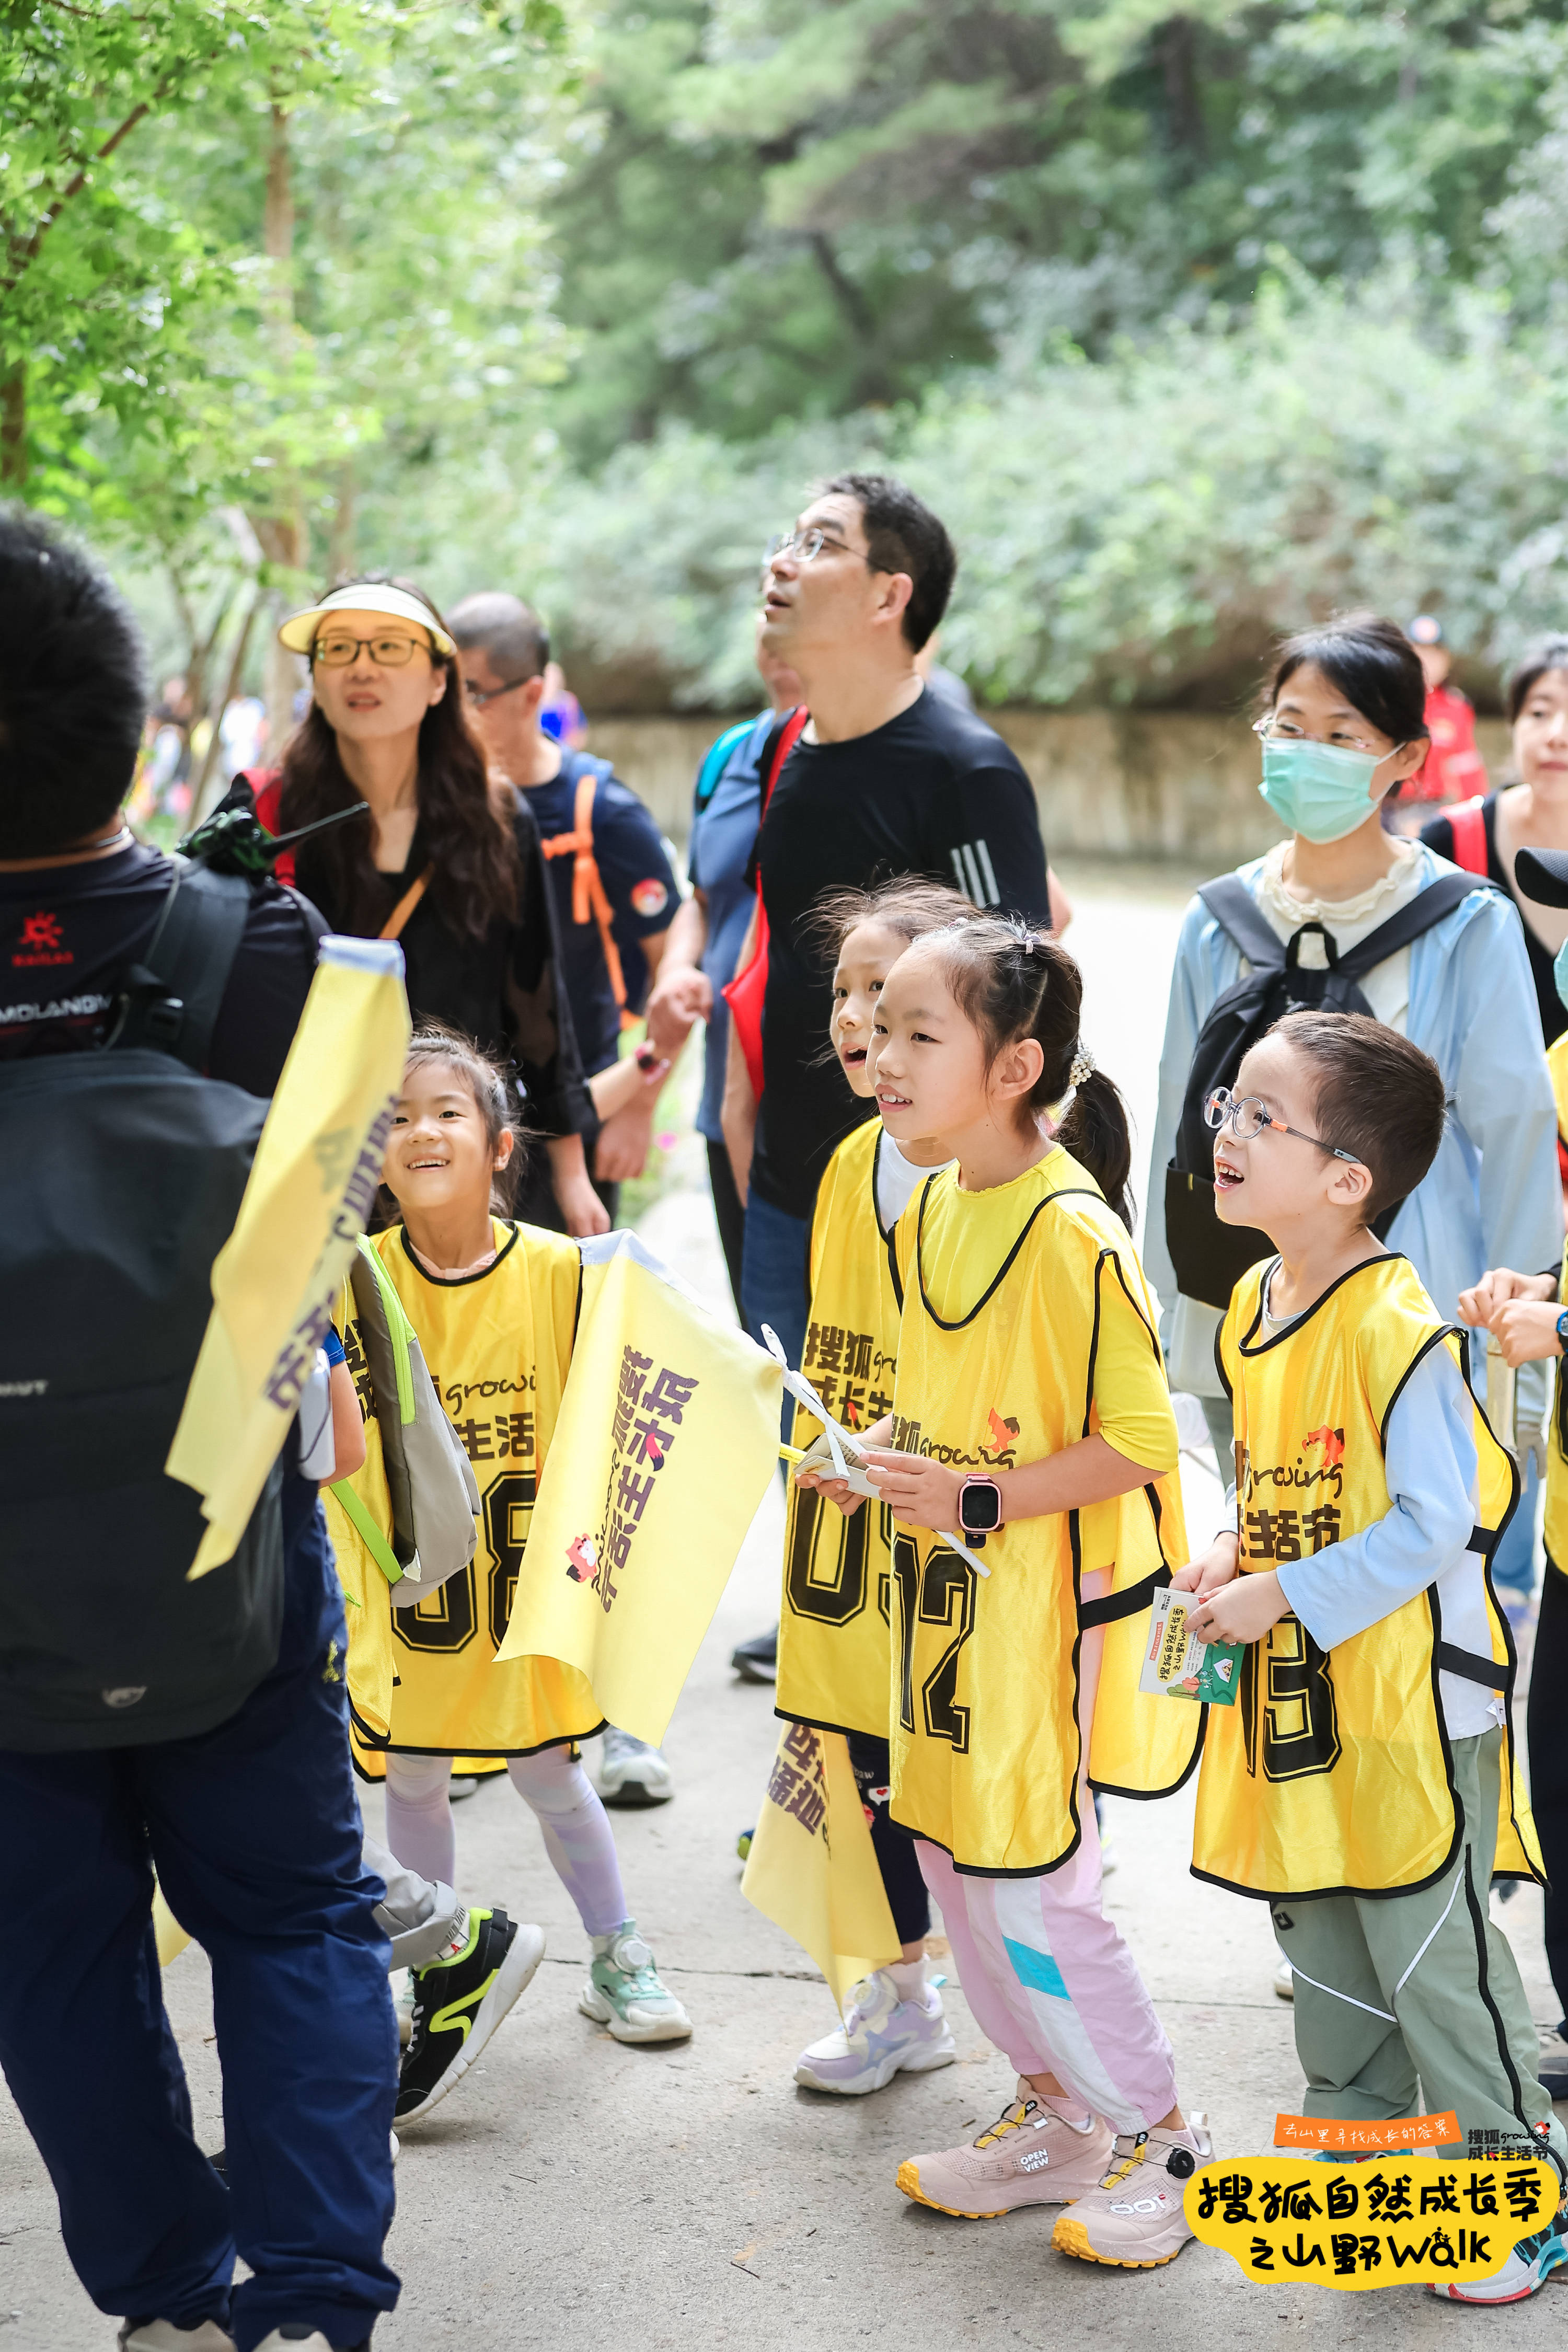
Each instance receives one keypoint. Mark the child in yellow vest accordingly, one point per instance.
(494, 1304)
(834, 1644)
(1362, 1783)
(1030, 1413)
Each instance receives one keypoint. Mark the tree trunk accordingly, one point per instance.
(1183, 97)
(14, 430)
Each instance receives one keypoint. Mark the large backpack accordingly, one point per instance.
(1209, 1257)
(121, 1184)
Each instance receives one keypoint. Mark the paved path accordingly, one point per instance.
(574, 2195)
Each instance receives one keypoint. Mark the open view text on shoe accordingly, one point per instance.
(880, 2036)
(633, 1773)
(162, 2335)
(1529, 2264)
(1135, 2219)
(1029, 2155)
(459, 2001)
(623, 1992)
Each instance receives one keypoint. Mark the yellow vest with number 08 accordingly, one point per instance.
(1331, 1773)
(834, 1642)
(1014, 1298)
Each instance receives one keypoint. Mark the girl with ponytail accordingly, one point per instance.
(1030, 1415)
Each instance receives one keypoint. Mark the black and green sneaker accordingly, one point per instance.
(459, 2001)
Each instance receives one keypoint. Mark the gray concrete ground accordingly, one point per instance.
(573, 2194)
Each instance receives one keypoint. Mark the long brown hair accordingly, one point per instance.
(470, 849)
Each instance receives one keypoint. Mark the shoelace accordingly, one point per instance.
(1129, 2153)
(1016, 2113)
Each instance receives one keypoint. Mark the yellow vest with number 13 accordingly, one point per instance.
(1332, 1772)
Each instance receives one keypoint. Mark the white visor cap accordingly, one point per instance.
(300, 630)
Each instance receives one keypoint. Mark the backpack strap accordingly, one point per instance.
(717, 759)
(1428, 906)
(1467, 821)
(171, 999)
(1236, 910)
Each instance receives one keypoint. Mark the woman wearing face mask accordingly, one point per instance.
(448, 861)
(1342, 724)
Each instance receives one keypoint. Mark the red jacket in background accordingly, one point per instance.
(1453, 769)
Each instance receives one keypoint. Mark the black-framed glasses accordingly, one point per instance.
(1248, 1114)
(805, 546)
(387, 652)
(477, 696)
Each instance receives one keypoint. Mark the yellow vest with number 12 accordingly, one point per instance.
(1332, 1772)
(834, 1642)
(1012, 1298)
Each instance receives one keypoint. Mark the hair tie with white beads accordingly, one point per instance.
(1083, 1066)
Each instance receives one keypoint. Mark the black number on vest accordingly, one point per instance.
(1298, 1721)
(836, 1602)
(445, 1622)
(942, 1595)
(509, 1507)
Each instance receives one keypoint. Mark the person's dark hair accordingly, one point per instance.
(508, 632)
(903, 535)
(1375, 1095)
(908, 905)
(463, 820)
(1372, 663)
(1547, 653)
(1015, 982)
(488, 1082)
(73, 693)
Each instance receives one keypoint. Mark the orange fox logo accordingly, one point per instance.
(582, 1560)
(1332, 1442)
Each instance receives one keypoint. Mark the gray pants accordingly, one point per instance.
(1420, 1986)
(420, 1918)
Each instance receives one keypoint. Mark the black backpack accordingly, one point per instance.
(121, 1182)
(1210, 1258)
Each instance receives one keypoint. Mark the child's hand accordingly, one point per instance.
(1241, 1610)
(1526, 1329)
(837, 1490)
(920, 1493)
(1495, 1289)
(1212, 1570)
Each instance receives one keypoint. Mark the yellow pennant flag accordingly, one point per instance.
(812, 1868)
(311, 1189)
(171, 1938)
(668, 1436)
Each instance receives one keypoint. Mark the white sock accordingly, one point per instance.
(1070, 2109)
(909, 1978)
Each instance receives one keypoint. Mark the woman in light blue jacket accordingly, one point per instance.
(1344, 724)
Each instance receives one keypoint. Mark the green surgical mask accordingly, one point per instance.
(1317, 789)
(1560, 971)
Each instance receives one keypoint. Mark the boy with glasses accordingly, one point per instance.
(1362, 1782)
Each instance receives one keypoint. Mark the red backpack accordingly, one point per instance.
(745, 994)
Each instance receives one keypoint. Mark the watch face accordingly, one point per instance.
(979, 1509)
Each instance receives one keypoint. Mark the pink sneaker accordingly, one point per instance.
(1029, 2156)
(880, 2037)
(1134, 2219)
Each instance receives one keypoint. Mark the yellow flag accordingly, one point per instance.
(812, 1868)
(310, 1192)
(668, 1436)
(171, 1938)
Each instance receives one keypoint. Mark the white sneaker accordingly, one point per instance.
(403, 2004)
(278, 2342)
(1285, 1980)
(633, 1773)
(881, 2036)
(162, 2335)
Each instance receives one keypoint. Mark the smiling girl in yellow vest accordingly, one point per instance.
(1363, 1784)
(1031, 1412)
(834, 1642)
(494, 1305)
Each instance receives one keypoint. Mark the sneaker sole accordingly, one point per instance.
(517, 1972)
(627, 1794)
(878, 2078)
(750, 1673)
(603, 2012)
(1070, 2237)
(909, 2180)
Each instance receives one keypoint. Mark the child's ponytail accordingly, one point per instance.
(1014, 983)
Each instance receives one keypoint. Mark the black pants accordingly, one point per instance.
(536, 1201)
(731, 1212)
(895, 1849)
(1548, 1738)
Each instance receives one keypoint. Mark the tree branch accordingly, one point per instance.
(28, 253)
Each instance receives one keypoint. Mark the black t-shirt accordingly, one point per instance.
(1437, 833)
(70, 933)
(504, 989)
(935, 792)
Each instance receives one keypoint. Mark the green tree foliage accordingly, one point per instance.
(799, 207)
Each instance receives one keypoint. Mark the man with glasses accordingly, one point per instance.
(887, 779)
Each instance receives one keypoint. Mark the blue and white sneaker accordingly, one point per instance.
(1526, 2271)
(881, 2036)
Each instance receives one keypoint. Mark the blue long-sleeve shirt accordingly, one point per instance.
(1491, 1197)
